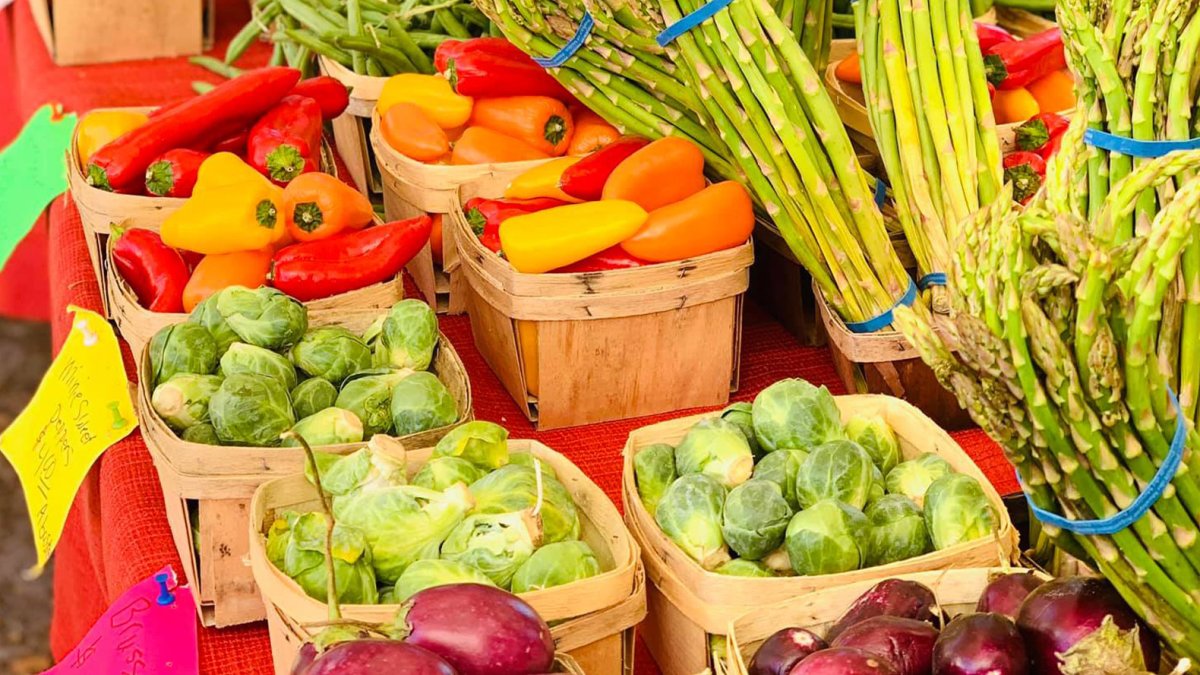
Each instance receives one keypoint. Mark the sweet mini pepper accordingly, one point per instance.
(100, 127)
(232, 208)
(217, 272)
(156, 272)
(661, 173)
(718, 217)
(1026, 171)
(430, 93)
(546, 240)
(485, 215)
(317, 205)
(542, 181)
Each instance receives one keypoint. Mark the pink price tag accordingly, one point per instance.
(150, 630)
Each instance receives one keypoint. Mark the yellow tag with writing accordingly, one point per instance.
(81, 408)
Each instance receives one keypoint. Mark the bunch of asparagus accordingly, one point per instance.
(811, 21)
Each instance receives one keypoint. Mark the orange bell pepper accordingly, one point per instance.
(435, 238)
(1014, 105)
(100, 127)
(716, 218)
(318, 205)
(219, 271)
(1054, 92)
(849, 69)
(542, 122)
(484, 146)
(591, 132)
(431, 93)
(546, 240)
(542, 181)
(410, 132)
(664, 172)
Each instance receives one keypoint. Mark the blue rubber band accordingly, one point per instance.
(1122, 520)
(884, 320)
(706, 12)
(1134, 147)
(932, 279)
(568, 50)
(880, 192)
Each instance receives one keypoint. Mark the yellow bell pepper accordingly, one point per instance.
(542, 181)
(431, 93)
(546, 240)
(97, 129)
(232, 208)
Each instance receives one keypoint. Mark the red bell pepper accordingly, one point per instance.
(614, 258)
(990, 35)
(485, 215)
(347, 262)
(174, 173)
(1012, 65)
(123, 162)
(1039, 130)
(1026, 171)
(286, 141)
(331, 95)
(498, 46)
(585, 179)
(156, 272)
(484, 74)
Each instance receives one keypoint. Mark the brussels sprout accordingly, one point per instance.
(778, 562)
(744, 568)
(742, 415)
(182, 401)
(515, 487)
(364, 469)
(251, 410)
(483, 444)
(206, 314)
(689, 513)
(203, 434)
(421, 402)
(331, 426)
(263, 317)
(913, 478)
(756, 516)
(387, 595)
(529, 459)
(440, 473)
(654, 468)
(957, 510)
(877, 438)
(795, 414)
(430, 573)
(878, 488)
(555, 565)
(278, 537)
(717, 448)
(242, 359)
(304, 560)
(826, 538)
(181, 348)
(839, 470)
(897, 531)
(331, 352)
(496, 544)
(407, 337)
(313, 396)
(780, 467)
(369, 395)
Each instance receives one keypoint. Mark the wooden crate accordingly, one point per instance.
(593, 619)
(687, 603)
(81, 31)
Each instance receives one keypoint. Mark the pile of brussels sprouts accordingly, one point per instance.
(245, 367)
(781, 487)
(472, 514)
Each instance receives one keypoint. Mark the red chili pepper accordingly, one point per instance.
(1026, 171)
(484, 74)
(156, 272)
(614, 258)
(286, 141)
(174, 173)
(1039, 130)
(235, 143)
(990, 35)
(1050, 149)
(485, 215)
(498, 46)
(331, 95)
(319, 269)
(1012, 65)
(585, 179)
(123, 162)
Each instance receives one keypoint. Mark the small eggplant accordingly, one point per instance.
(890, 597)
(784, 649)
(905, 643)
(843, 661)
(980, 644)
(1005, 593)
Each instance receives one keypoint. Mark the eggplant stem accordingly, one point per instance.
(335, 608)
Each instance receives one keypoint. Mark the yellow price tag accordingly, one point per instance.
(81, 408)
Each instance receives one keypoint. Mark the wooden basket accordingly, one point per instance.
(207, 491)
(687, 603)
(79, 32)
(350, 129)
(592, 619)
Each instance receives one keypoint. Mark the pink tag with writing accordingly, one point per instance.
(149, 630)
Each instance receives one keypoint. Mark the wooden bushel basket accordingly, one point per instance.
(592, 619)
(80, 32)
(207, 491)
(687, 603)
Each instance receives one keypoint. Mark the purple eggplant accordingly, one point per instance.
(843, 661)
(784, 649)
(370, 657)
(905, 643)
(980, 644)
(890, 597)
(1005, 593)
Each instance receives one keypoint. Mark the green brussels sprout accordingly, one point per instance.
(742, 415)
(263, 317)
(529, 459)
(364, 469)
(251, 410)
(206, 314)
(555, 565)
(756, 516)
(717, 448)
(278, 536)
(957, 510)
(778, 562)
(387, 595)
(421, 402)
(877, 438)
(331, 426)
(897, 531)
(369, 395)
(496, 544)
(203, 434)
(689, 513)
(181, 348)
(182, 401)
(331, 352)
(407, 337)
(744, 568)
(242, 359)
(794, 414)
(515, 488)
(878, 487)
(440, 473)
(483, 444)
(913, 478)
(780, 467)
(826, 538)
(312, 396)
(304, 560)
(654, 468)
(839, 470)
(425, 574)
